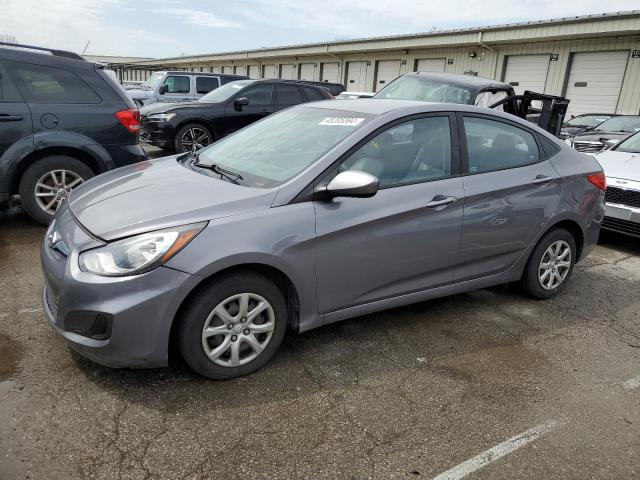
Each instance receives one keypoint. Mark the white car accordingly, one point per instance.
(353, 95)
(621, 165)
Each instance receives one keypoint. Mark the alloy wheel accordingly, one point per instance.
(53, 187)
(238, 330)
(194, 139)
(554, 265)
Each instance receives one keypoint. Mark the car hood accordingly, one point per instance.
(571, 131)
(593, 136)
(157, 194)
(162, 107)
(622, 165)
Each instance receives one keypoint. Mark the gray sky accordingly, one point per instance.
(158, 28)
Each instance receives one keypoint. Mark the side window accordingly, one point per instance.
(8, 91)
(177, 84)
(493, 145)
(415, 151)
(313, 94)
(259, 94)
(206, 84)
(40, 84)
(288, 95)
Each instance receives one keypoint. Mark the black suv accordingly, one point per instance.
(185, 127)
(62, 121)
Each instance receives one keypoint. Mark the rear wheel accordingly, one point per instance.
(233, 326)
(550, 265)
(46, 183)
(191, 138)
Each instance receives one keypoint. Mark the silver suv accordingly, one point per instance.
(178, 86)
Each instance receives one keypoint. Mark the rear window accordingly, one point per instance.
(206, 84)
(39, 84)
(288, 95)
(313, 94)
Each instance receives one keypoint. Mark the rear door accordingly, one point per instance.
(205, 84)
(511, 190)
(15, 118)
(260, 97)
(405, 238)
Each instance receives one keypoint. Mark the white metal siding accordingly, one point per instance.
(288, 71)
(529, 72)
(307, 71)
(356, 76)
(269, 71)
(431, 65)
(254, 71)
(388, 70)
(603, 73)
(330, 72)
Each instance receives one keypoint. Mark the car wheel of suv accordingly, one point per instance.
(233, 326)
(191, 138)
(46, 183)
(550, 264)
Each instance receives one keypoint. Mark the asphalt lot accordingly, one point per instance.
(407, 393)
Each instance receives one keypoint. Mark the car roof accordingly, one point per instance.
(461, 80)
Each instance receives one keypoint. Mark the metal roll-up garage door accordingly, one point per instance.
(269, 71)
(240, 70)
(227, 69)
(527, 72)
(307, 71)
(388, 70)
(254, 71)
(595, 80)
(430, 65)
(288, 71)
(357, 76)
(329, 72)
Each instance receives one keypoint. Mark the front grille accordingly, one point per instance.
(588, 147)
(621, 226)
(630, 198)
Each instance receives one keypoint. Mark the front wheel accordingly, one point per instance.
(550, 264)
(191, 138)
(233, 326)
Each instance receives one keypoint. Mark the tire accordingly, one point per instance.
(202, 139)
(76, 172)
(540, 282)
(217, 362)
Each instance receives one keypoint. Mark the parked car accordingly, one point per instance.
(184, 127)
(622, 167)
(335, 89)
(605, 135)
(354, 95)
(319, 213)
(546, 111)
(582, 123)
(178, 86)
(62, 121)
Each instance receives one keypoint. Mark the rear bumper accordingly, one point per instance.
(622, 219)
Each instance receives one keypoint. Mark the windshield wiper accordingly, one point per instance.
(223, 172)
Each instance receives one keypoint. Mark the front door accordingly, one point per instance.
(260, 97)
(512, 191)
(405, 238)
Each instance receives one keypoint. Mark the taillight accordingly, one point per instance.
(599, 180)
(130, 119)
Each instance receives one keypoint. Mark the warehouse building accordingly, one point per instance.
(593, 60)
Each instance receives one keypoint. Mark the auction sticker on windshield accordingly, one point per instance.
(346, 121)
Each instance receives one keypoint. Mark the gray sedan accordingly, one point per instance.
(319, 213)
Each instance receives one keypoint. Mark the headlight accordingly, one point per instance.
(138, 254)
(160, 117)
(569, 142)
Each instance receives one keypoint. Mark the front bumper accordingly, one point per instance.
(117, 322)
(159, 134)
(622, 219)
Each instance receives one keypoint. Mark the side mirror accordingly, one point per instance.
(352, 183)
(238, 103)
(163, 89)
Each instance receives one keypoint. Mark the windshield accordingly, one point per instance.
(629, 124)
(586, 121)
(225, 92)
(274, 150)
(414, 88)
(153, 81)
(630, 144)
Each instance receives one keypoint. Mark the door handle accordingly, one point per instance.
(440, 201)
(541, 180)
(10, 118)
